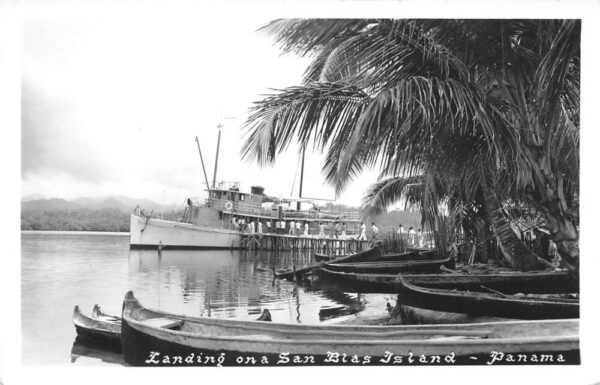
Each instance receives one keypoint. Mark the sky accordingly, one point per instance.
(112, 107)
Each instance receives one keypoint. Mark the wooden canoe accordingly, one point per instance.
(100, 327)
(481, 303)
(295, 273)
(148, 336)
(395, 267)
(409, 255)
(544, 282)
(321, 257)
(412, 255)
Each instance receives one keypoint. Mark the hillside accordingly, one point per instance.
(82, 214)
(107, 219)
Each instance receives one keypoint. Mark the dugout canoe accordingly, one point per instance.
(391, 267)
(371, 254)
(150, 335)
(100, 327)
(485, 302)
(409, 255)
(554, 282)
(321, 257)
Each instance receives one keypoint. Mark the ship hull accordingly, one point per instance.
(150, 233)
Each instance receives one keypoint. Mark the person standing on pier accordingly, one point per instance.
(411, 236)
(375, 231)
(298, 228)
(343, 235)
(363, 232)
(402, 236)
(336, 230)
(292, 228)
(251, 227)
(268, 224)
(321, 230)
(420, 238)
(260, 228)
(401, 232)
(306, 229)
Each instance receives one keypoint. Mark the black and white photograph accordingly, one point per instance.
(329, 185)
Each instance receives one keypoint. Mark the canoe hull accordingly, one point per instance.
(99, 337)
(485, 304)
(297, 273)
(428, 266)
(143, 349)
(540, 282)
(146, 344)
(98, 331)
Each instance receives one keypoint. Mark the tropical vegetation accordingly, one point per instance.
(475, 117)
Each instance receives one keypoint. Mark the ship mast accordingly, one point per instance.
(219, 126)
(202, 161)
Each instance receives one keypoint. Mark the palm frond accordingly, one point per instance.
(317, 111)
(385, 193)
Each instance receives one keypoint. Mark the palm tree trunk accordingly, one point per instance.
(517, 255)
(554, 208)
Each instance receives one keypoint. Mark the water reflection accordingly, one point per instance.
(83, 349)
(224, 284)
(60, 270)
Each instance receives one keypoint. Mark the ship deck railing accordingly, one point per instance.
(239, 208)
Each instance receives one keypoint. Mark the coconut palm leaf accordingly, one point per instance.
(318, 111)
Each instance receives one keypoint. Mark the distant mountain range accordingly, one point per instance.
(121, 203)
(109, 213)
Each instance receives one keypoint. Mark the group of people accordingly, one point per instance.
(251, 226)
(412, 237)
(255, 226)
(362, 234)
(338, 230)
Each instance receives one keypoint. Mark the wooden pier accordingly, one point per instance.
(284, 242)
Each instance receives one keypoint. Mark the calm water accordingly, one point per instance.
(61, 270)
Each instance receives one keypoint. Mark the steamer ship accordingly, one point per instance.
(210, 224)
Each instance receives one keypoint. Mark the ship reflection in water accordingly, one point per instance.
(232, 284)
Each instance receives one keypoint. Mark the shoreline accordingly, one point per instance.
(78, 232)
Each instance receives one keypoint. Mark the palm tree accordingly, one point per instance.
(487, 109)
